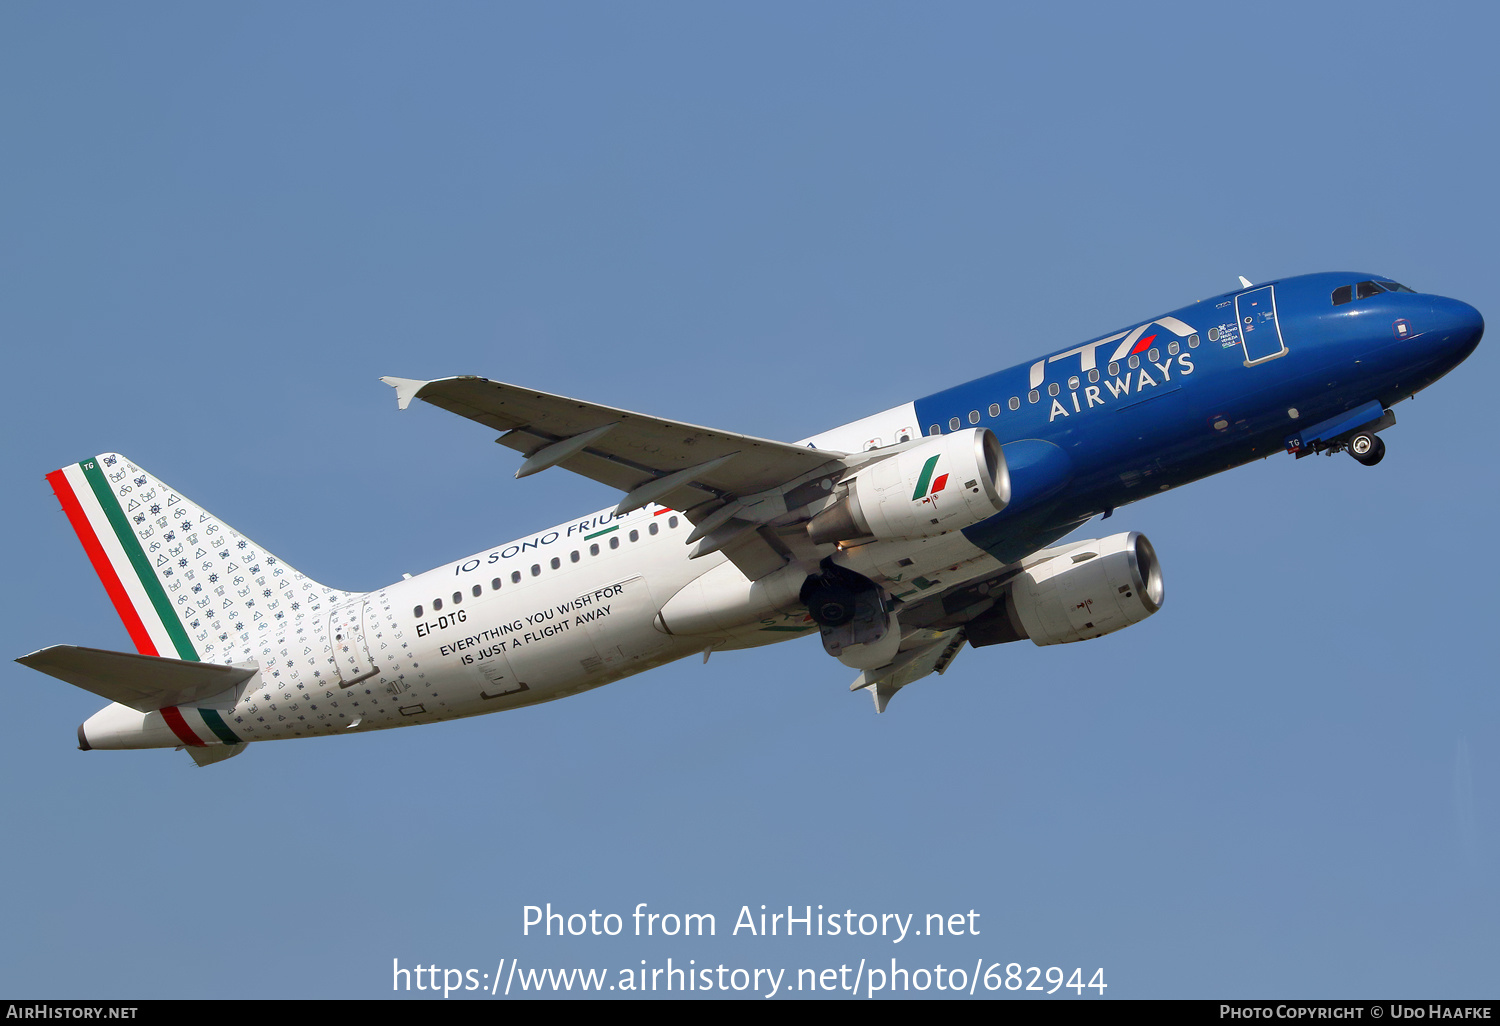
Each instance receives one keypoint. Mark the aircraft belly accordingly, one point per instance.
(914, 567)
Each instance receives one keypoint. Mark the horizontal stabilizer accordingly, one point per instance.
(142, 682)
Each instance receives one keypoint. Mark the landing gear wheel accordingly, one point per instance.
(833, 594)
(1367, 448)
(831, 605)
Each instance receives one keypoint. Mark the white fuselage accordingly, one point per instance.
(540, 618)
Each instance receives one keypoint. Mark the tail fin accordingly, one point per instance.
(187, 585)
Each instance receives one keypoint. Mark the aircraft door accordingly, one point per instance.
(346, 632)
(1260, 328)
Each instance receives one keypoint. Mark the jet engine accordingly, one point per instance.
(1094, 588)
(942, 484)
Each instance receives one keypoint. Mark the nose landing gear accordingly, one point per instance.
(1367, 448)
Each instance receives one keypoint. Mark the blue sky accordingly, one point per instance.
(223, 224)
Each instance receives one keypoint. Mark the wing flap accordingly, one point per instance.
(922, 652)
(143, 682)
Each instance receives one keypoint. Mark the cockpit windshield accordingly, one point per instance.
(1364, 290)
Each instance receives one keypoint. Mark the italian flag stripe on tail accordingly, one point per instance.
(122, 564)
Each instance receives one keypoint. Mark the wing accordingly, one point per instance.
(140, 681)
(730, 486)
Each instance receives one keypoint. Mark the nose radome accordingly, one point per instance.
(1457, 324)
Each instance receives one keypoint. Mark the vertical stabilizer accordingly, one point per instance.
(186, 584)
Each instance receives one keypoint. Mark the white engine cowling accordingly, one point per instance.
(946, 483)
(1094, 588)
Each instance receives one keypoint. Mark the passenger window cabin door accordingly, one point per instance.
(1260, 328)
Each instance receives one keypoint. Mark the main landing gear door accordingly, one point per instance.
(351, 656)
(1260, 329)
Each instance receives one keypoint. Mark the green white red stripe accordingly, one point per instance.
(122, 565)
(214, 728)
(63, 489)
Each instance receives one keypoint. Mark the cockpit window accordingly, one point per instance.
(1365, 289)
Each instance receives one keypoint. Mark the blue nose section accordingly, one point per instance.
(1458, 327)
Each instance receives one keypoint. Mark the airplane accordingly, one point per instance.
(898, 539)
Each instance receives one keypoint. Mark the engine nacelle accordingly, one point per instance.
(946, 483)
(1091, 589)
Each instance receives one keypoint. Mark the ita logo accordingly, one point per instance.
(924, 493)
